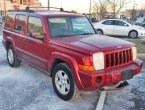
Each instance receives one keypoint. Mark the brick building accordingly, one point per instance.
(17, 4)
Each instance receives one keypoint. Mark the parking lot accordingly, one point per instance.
(26, 88)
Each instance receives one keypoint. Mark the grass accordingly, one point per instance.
(140, 44)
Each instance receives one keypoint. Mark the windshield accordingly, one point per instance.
(69, 26)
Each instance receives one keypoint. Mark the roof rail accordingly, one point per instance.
(32, 9)
(28, 8)
(20, 11)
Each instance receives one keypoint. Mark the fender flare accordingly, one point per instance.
(73, 65)
(9, 39)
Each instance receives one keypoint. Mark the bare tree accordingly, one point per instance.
(117, 5)
(100, 8)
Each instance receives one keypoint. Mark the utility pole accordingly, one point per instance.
(133, 12)
(90, 9)
(5, 7)
(48, 4)
(61, 3)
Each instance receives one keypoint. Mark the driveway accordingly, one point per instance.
(25, 88)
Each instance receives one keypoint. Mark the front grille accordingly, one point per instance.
(119, 58)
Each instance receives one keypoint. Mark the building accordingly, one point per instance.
(6, 5)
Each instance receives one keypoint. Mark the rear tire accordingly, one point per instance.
(64, 83)
(100, 32)
(12, 58)
(133, 34)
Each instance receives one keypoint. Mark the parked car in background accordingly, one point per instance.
(140, 22)
(119, 27)
(2, 18)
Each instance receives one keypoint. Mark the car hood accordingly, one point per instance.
(138, 27)
(90, 43)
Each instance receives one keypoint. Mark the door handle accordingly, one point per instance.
(26, 40)
(12, 35)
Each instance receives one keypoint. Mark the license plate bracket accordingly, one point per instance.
(126, 75)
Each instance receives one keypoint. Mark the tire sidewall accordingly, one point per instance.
(11, 48)
(100, 31)
(66, 69)
(133, 37)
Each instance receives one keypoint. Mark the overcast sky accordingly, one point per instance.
(81, 5)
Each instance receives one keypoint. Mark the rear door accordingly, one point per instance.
(107, 27)
(35, 50)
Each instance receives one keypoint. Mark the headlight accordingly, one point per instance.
(134, 52)
(98, 61)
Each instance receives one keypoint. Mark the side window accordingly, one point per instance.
(20, 23)
(35, 25)
(35, 28)
(108, 22)
(9, 21)
(120, 23)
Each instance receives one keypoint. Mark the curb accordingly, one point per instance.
(140, 55)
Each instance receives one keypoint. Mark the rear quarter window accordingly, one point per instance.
(9, 21)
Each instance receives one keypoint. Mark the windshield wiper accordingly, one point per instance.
(63, 35)
(86, 33)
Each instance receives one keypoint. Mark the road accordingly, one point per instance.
(25, 88)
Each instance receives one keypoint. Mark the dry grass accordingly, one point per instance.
(140, 44)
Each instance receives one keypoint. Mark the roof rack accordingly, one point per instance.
(32, 9)
(28, 8)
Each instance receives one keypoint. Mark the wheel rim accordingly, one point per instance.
(10, 56)
(62, 82)
(133, 34)
(99, 32)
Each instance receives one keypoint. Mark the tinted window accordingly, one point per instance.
(35, 25)
(108, 22)
(120, 23)
(20, 23)
(9, 21)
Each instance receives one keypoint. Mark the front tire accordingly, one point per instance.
(63, 82)
(133, 34)
(12, 58)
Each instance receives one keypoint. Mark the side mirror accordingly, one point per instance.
(126, 25)
(37, 35)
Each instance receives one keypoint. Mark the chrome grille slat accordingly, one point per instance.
(118, 58)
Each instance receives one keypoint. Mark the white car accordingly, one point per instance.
(119, 27)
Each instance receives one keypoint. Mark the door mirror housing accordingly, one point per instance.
(126, 25)
(38, 35)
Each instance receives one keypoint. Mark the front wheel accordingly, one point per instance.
(12, 58)
(63, 82)
(133, 34)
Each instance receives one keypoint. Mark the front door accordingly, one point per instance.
(36, 50)
(121, 28)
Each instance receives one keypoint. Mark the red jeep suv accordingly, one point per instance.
(66, 46)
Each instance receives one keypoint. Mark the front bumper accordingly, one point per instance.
(141, 33)
(108, 77)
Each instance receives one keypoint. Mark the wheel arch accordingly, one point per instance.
(63, 58)
(100, 30)
(133, 30)
(10, 41)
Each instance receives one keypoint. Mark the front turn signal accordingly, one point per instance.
(86, 67)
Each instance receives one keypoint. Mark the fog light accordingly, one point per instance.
(98, 79)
